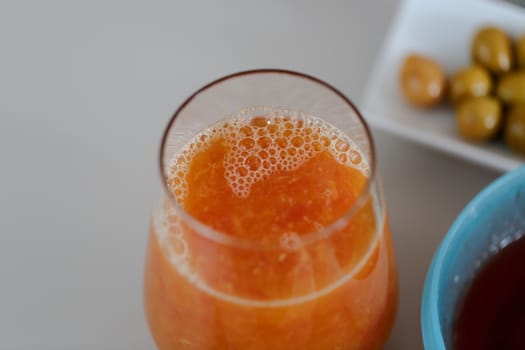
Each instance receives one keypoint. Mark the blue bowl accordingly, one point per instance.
(493, 219)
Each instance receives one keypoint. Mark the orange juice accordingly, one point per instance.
(275, 243)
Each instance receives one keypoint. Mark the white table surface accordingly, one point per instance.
(86, 89)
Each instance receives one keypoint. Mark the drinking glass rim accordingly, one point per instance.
(226, 239)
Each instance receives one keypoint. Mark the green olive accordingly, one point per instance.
(514, 133)
(511, 88)
(422, 81)
(520, 52)
(491, 48)
(473, 81)
(479, 118)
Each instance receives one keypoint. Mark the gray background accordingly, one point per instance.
(85, 91)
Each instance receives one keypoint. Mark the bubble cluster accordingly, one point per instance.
(170, 233)
(290, 241)
(180, 164)
(262, 142)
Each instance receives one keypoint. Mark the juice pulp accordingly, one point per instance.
(284, 272)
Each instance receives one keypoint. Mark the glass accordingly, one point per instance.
(270, 231)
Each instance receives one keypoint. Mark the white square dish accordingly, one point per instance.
(442, 30)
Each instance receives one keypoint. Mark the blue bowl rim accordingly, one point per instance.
(430, 325)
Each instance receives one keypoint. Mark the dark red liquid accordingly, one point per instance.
(493, 312)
